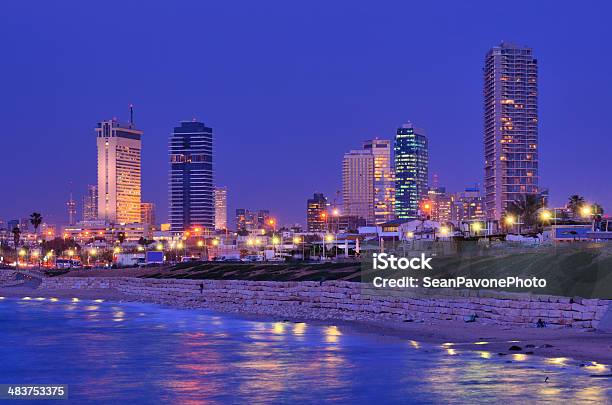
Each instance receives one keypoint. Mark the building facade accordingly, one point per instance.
(316, 213)
(221, 208)
(440, 204)
(119, 165)
(247, 220)
(411, 158)
(468, 206)
(191, 194)
(384, 182)
(90, 203)
(510, 127)
(358, 184)
(147, 214)
(72, 210)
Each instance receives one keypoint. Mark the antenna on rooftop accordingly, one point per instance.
(131, 115)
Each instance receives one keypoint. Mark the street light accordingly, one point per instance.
(159, 246)
(509, 220)
(444, 231)
(586, 211)
(546, 215)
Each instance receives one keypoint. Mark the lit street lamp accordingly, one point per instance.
(586, 211)
(509, 221)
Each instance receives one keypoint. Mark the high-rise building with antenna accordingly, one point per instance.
(119, 165)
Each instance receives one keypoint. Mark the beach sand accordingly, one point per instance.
(582, 345)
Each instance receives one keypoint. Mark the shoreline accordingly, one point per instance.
(580, 345)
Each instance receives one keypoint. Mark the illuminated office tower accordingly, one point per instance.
(119, 148)
(90, 203)
(191, 193)
(411, 170)
(220, 207)
(384, 185)
(510, 126)
(358, 184)
(316, 213)
(147, 213)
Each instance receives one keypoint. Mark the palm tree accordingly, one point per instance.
(35, 220)
(526, 208)
(575, 203)
(598, 209)
(16, 235)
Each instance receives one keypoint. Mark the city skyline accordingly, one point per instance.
(571, 103)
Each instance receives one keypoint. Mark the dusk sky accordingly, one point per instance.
(288, 88)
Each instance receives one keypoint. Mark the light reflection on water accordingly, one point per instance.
(148, 354)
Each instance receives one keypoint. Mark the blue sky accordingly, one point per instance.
(288, 87)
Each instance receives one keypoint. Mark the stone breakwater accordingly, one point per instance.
(8, 278)
(349, 301)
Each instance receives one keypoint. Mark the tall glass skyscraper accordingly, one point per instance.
(191, 192)
(90, 203)
(510, 126)
(411, 170)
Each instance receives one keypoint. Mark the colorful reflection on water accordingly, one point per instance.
(149, 354)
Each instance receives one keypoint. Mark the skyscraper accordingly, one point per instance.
(71, 205)
(147, 213)
(191, 193)
(316, 208)
(358, 184)
(384, 186)
(510, 126)
(411, 170)
(220, 207)
(119, 148)
(90, 203)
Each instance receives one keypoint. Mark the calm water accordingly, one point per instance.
(147, 354)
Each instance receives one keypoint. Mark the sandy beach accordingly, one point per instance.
(559, 344)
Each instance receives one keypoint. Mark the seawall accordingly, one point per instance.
(349, 301)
